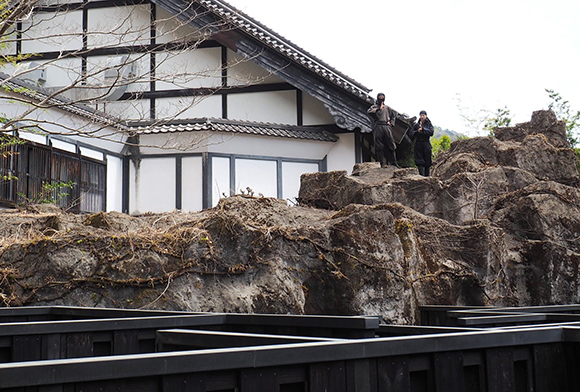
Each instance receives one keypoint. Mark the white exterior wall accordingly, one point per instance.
(50, 32)
(291, 181)
(192, 184)
(153, 185)
(189, 107)
(242, 71)
(114, 184)
(273, 106)
(193, 69)
(314, 112)
(96, 66)
(171, 29)
(220, 179)
(260, 176)
(119, 26)
(342, 156)
(271, 147)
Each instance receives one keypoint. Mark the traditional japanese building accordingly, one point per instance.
(168, 104)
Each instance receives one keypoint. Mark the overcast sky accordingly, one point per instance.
(424, 54)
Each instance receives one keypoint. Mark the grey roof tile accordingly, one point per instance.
(233, 126)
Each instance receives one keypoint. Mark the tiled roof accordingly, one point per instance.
(284, 46)
(232, 126)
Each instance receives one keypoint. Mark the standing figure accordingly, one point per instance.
(383, 119)
(422, 131)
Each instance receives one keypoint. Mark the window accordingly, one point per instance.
(35, 165)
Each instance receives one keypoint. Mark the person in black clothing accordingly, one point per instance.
(383, 118)
(422, 131)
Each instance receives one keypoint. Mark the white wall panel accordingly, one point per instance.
(270, 146)
(176, 142)
(189, 107)
(119, 26)
(275, 107)
(33, 137)
(258, 175)
(170, 28)
(137, 109)
(154, 185)
(342, 155)
(65, 146)
(291, 172)
(314, 112)
(62, 72)
(242, 71)
(52, 32)
(192, 184)
(193, 69)
(114, 184)
(138, 63)
(87, 152)
(220, 179)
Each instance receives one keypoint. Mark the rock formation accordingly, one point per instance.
(498, 223)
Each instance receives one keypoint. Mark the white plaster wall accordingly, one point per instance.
(242, 71)
(119, 26)
(291, 172)
(189, 107)
(169, 28)
(52, 32)
(235, 143)
(220, 179)
(192, 69)
(314, 112)
(137, 109)
(58, 72)
(275, 107)
(114, 184)
(89, 152)
(258, 175)
(33, 137)
(342, 156)
(192, 184)
(166, 143)
(98, 65)
(271, 146)
(153, 185)
(70, 147)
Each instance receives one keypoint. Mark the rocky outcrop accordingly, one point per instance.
(498, 223)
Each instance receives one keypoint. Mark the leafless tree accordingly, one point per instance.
(107, 67)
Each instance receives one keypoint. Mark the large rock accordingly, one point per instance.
(497, 224)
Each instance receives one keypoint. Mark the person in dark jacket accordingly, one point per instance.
(422, 132)
(383, 118)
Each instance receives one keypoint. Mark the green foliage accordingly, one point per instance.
(483, 120)
(440, 144)
(564, 112)
(50, 193)
(501, 118)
